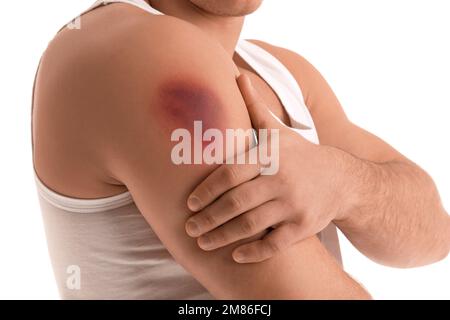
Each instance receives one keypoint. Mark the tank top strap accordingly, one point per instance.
(281, 80)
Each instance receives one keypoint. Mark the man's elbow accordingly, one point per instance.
(443, 250)
(440, 241)
(438, 247)
(437, 235)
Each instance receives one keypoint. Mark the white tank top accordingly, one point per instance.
(109, 243)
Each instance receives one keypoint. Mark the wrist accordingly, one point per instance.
(356, 181)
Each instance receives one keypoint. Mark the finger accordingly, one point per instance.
(221, 180)
(275, 241)
(241, 199)
(245, 226)
(260, 115)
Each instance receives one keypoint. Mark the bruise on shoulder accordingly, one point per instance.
(181, 105)
(182, 102)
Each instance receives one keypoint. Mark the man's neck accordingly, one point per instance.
(226, 30)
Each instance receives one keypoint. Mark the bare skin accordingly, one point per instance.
(99, 129)
(344, 189)
(371, 203)
(385, 204)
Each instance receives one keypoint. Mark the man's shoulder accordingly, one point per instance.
(126, 34)
(101, 85)
(128, 55)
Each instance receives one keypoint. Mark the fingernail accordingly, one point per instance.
(194, 203)
(205, 242)
(239, 257)
(192, 229)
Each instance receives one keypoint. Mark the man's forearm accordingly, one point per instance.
(392, 211)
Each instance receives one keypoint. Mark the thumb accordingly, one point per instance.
(260, 115)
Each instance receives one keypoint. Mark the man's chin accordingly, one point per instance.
(228, 8)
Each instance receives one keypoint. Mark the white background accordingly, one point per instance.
(388, 62)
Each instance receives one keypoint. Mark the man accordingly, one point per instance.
(108, 99)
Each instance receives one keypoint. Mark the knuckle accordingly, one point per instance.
(272, 246)
(230, 175)
(209, 220)
(208, 190)
(308, 219)
(282, 178)
(218, 237)
(248, 225)
(287, 207)
(234, 202)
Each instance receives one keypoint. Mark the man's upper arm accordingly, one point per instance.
(181, 81)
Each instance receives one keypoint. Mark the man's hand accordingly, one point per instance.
(235, 202)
